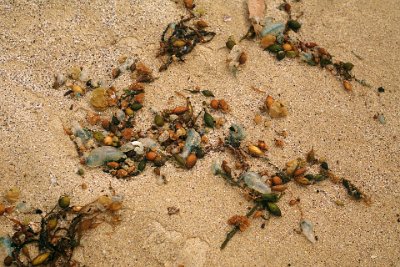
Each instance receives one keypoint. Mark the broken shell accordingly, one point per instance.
(92, 118)
(180, 132)
(191, 160)
(59, 81)
(255, 151)
(142, 69)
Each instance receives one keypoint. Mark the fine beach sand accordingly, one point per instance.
(41, 38)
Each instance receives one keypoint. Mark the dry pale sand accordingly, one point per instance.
(41, 38)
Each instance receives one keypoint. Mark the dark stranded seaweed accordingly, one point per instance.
(352, 190)
(179, 39)
(60, 232)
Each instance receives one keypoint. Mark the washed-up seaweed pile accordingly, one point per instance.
(52, 241)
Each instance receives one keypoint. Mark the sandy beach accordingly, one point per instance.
(39, 39)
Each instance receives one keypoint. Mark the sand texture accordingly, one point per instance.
(41, 38)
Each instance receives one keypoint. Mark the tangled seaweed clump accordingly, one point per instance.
(179, 39)
(53, 240)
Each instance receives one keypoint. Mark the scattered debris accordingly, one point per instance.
(178, 134)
